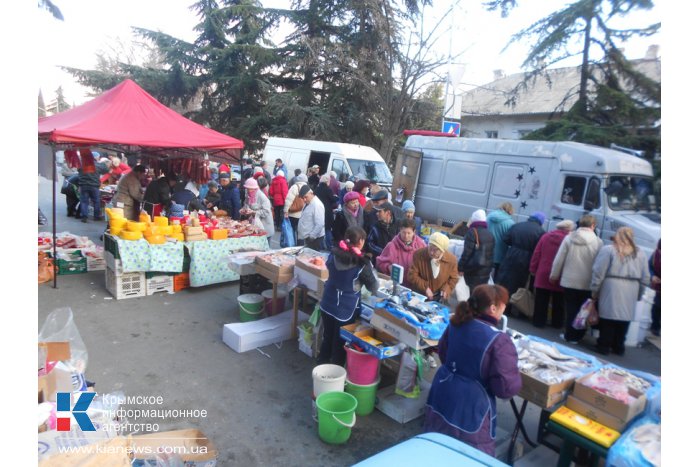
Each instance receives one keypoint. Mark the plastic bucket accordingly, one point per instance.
(336, 416)
(250, 306)
(281, 300)
(366, 395)
(362, 367)
(328, 377)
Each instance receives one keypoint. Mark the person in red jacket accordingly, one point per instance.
(541, 267)
(278, 193)
(116, 170)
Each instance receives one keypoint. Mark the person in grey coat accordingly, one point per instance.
(620, 273)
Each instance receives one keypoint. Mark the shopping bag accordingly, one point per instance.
(460, 294)
(587, 315)
(523, 300)
(287, 237)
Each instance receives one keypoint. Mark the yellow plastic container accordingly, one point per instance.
(178, 236)
(585, 427)
(132, 226)
(118, 222)
(156, 239)
(160, 220)
(130, 235)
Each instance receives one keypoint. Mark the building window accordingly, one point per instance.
(492, 134)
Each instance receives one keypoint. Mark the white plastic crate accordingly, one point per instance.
(96, 264)
(160, 284)
(113, 263)
(127, 285)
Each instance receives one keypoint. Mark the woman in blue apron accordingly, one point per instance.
(479, 363)
(348, 271)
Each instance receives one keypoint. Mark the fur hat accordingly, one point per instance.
(478, 216)
(440, 241)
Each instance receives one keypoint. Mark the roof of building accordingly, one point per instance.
(556, 91)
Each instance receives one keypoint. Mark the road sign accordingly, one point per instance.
(451, 127)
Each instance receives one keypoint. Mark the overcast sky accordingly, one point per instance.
(94, 25)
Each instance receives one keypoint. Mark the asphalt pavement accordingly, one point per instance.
(258, 403)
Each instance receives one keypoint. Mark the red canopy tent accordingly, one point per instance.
(128, 119)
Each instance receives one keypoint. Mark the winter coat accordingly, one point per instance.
(291, 194)
(230, 201)
(129, 193)
(278, 190)
(314, 181)
(421, 273)
(88, 179)
(397, 252)
(477, 275)
(543, 257)
(212, 198)
(479, 364)
(574, 260)
(655, 267)
(521, 239)
(311, 223)
(115, 173)
(379, 236)
(263, 211)
(283, 168)
(334, 185)
(343, 220)
(329, 200)
(618, 282)
(158, 192)
(499, 223)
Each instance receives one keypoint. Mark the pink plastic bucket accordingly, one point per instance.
(362, 367)
(281, 299)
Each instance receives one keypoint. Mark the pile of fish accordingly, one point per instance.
(547, 364)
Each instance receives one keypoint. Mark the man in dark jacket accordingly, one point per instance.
(379, 198)
(72, 191)
(330, 203)
(89, 183)
(521, 240)
(383, 231)
(159, 192)
(230, 196)
(314, 177)
(477, 258)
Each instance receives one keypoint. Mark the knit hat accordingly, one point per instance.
(224, 175)
(250, 184)
(408, 206)
(566, 224)
(304, 190)
(440, 241)
(539, 216)
(478, 216)
(350, 195)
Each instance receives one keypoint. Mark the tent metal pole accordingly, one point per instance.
(53, 216)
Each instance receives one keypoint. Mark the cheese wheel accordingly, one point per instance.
(160, 220)
(119, 222)
(176, 228)
(135, 226)
(166, 229)
(115, 230)
(129, 235)
(178, 236)
(143, 217)
(219, 234)
(156, 239)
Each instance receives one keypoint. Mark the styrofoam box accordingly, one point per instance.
(308, 280)
(243, 337)
(399, 408)
(636, 333)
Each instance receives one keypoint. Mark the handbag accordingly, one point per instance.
(478, 258)
(586, 316)
(523, 300)
(297, 204)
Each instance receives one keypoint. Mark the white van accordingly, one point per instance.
(449, 178)
(344, 159)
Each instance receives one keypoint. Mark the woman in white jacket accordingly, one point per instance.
(620, 273)
(293, 192)
(572, 268)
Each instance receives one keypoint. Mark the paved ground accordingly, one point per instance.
(259, 407)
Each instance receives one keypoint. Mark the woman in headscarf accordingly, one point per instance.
(409, 212)
(351, 215)
(362, 187)
(434, 272)
(620, 273)
(400, 250)
(258, 204)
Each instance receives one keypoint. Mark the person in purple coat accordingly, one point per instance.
(479, 363)
(540, 268)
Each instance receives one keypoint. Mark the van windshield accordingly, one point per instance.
(631, 193)
(370, 170)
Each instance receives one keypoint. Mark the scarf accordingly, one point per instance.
(353, 220)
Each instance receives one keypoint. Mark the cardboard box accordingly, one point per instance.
(585, 427)
(193, 447)
(384, 321)
(543, 394)
(318, 272)
(243, 337)
(279, 274)
(56, 380)
(52, 442)
(596, 414)
(391, 349)
(399, 408)
(612, 406)
(55, 351)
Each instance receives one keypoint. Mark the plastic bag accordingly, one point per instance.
(460, 294)
(162, 459)
(60, 327)
(287, 237)
(407, 381)
(639, 445)
(46, 270)
(581, 320)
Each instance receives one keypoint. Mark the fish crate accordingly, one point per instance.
(77, 264)
(159, 284)
(126, 285)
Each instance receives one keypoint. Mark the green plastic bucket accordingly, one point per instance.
(250, 306)
(336, 416)
(366, 395)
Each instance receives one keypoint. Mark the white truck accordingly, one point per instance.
(449, 178)
(344, 159)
